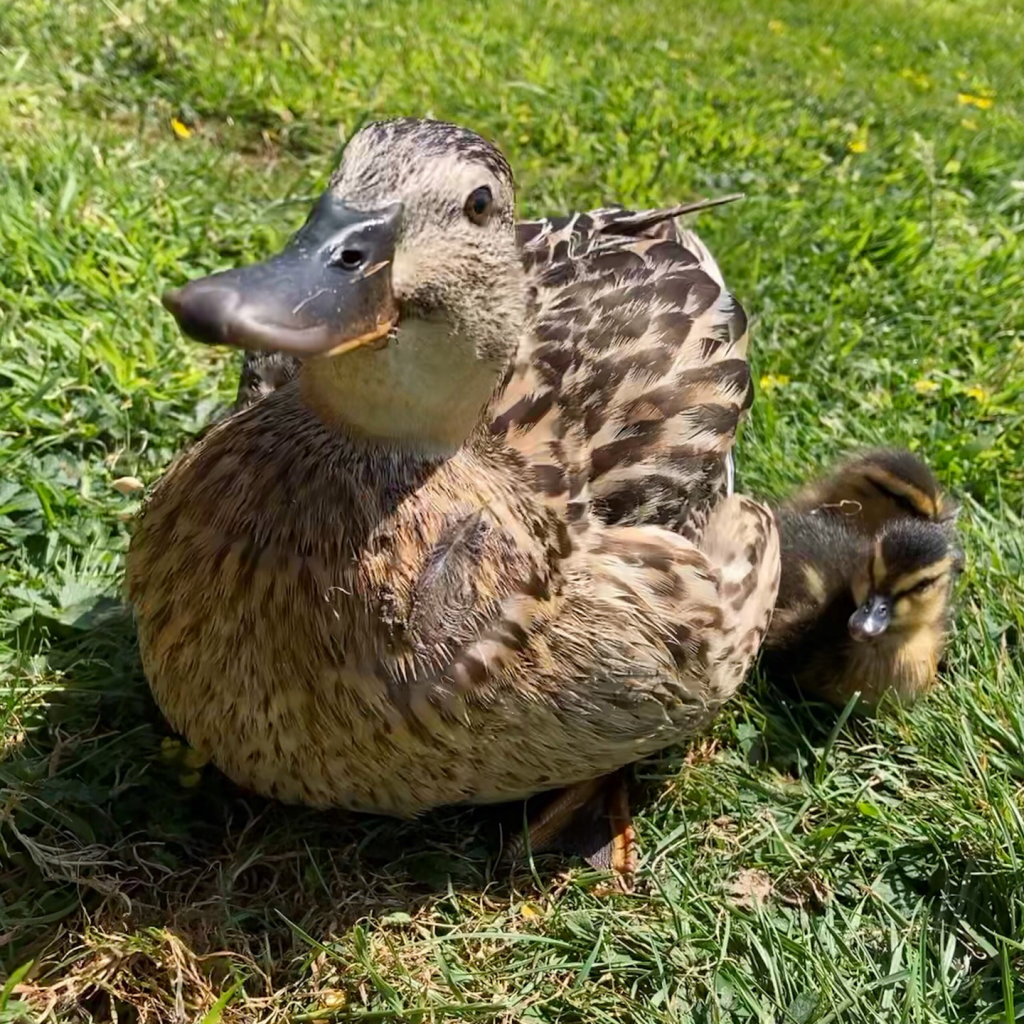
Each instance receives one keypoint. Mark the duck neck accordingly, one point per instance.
(424, 392)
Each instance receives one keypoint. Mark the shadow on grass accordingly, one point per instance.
(109, 828)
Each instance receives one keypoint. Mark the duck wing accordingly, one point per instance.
(657, 222)
(627, 390)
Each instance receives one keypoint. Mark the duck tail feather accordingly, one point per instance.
(638, 222)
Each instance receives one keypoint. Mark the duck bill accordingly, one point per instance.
(871, 619)
(328, 291)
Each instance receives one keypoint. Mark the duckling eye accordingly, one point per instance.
(921, 587)
(478, 205)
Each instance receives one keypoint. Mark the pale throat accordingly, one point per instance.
(424, 392)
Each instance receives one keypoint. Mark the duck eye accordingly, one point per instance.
(348, 259)
(478, 205)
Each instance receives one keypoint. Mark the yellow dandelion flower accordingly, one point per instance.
(858, 146)
(181, 129)
(924, 386)
(193, 759)
(919, 78)
(979, 394)
(777, 27)
(770, 381)
(969, 123)
(967, 99)
(169, 748)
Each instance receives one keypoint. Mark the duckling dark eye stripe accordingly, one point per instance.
(908, 497)
(929, 574)
(915, 587)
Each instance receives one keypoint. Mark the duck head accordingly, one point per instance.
(908, 581)
(402, 292)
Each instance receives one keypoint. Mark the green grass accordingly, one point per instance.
(798, 867)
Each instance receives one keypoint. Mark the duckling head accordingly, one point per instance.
(901, 478)
(907, 582)
(403, 292)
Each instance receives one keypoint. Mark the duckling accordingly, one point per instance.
(860, 610)
(263, 372)
(875, 487)
(481, 547)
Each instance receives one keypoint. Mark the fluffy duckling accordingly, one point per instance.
(867, 581)
(483, 546)
(263, 373)
(875, 487)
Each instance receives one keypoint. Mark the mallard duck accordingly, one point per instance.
(481, 547)
(869, 560)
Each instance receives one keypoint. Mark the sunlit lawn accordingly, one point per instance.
(797, 868)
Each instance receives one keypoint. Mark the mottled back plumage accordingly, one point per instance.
(627, 393)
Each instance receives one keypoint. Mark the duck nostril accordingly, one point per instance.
(350, 259)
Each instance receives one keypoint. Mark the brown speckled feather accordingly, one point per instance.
(314, 659)
(342, 624)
